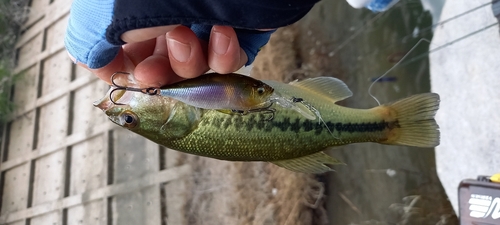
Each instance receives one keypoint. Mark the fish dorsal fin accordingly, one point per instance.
(329, 87)
(315, 163)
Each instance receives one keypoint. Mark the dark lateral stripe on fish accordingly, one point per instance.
(259, 123)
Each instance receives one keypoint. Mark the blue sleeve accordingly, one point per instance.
(373, 5)
(247, 17)
(86, 40)
(85, 37)
(381, 5)
(95, 26)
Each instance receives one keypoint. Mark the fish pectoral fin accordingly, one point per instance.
(300, 108)
(330, 87)
(304, 111)
(315, 163)
(182, 120)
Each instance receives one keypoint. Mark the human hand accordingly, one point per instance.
(162, 55)
(144, 38)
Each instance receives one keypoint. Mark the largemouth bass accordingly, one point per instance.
(290, 140)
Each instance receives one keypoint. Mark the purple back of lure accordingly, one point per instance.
(220, 91)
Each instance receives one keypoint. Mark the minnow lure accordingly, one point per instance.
(291, 139)
(235, 92)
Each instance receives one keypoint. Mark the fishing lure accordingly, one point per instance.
(230, 93)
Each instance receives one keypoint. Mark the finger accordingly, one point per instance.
(126, 59)
(139, 51)
(141, 45)
(185, 52)
(119, 63)
(224, 52)
(155, 70)
(139, 35)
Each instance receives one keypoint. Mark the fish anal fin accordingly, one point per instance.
(315, 163)
(330, 87)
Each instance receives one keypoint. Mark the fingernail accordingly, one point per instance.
(180, 51)
(221, 43)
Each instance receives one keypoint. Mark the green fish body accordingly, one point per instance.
(306, 121)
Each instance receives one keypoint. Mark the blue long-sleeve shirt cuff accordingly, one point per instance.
(85, 38)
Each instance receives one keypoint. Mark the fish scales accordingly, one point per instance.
(252, 138)
(305, 122)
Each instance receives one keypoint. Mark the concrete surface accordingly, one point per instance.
(465, 74)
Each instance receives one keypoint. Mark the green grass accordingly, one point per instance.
(12, 16)
(6, 83)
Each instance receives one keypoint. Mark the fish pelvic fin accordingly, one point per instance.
(315, 163)
(416, 125)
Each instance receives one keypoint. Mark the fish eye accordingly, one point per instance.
(130, 119)
(261, 90)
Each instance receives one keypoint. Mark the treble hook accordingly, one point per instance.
(263, 110)
(148, 91)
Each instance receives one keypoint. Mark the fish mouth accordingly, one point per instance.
(113, 98)
(105, 102)
(108, 107)
(114, 103)
(116, 95)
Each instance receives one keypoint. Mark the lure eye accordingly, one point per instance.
(261, 90)
(129, 119)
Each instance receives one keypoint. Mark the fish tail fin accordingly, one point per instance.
(416, 125)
